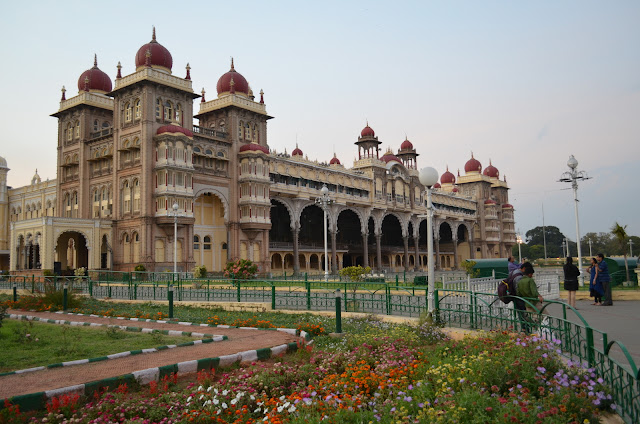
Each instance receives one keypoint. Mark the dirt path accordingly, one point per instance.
(239, 340)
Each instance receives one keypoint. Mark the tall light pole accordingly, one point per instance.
(519, 241)
(590, 252)
(566, 242)
(324, 201)
(428, 177)
(564, 253)
(573, 176)
(175, 238)
(630, 247)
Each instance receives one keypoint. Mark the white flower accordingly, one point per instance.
(201, 396)
(225, 392)
(215, 391)
(216, 401)
(189, 399)
(224, 405)
(257, 410)
(280, 408)
(209, 388)
(233, 401)
(200, 388)
(293, 408)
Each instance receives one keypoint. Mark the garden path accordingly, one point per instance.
(239, 340)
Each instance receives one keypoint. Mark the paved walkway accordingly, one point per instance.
(239, 340)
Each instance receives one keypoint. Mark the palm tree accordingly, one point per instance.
(620, 233)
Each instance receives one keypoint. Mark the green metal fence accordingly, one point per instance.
(577, 340)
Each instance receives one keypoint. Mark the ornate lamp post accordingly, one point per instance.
(519, 241)
(590, 254)
(573, 176)
(175, 238)
(324, 202)
(428, 177)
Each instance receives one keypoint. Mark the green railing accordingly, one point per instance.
(577, 340)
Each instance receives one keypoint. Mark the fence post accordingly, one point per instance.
(15, 291)
(493, 274)
(33, 285)
(590, 347)
(473, 309)
(306, 283)
(338, 312)
(170, 296)
(404, 276)
(90, 288)
(468, 282)
(273, 297)
(64, 296)
(238, 285)
(396, 281)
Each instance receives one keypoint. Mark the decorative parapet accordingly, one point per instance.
(86, 98)
(150, 74)
(368, 162)
(233, 100)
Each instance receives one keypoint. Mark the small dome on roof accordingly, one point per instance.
(491, 171)
(489, 202)
(406, 145)
(253, 147)
(448, 177)
(367, 131)
(159, 56)
(297, 151)
(437, 185)
(473, 165)
(3, 162)
(240, 84)
(455, 189)
(507, 206)
(94, 80)
(389, 156)
(174, 129)
(334, 160)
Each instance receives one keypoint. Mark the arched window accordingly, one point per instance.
(136, 196)
(135, 249)
(126, 249)
(126, 198)
(196, 242)
(158, 108)
(77, 125)
(105, 125)
(168, 111)
(137, 111)
(75, 204)
(206, 243)
(159, 248)
(96, 126)
(179, 114)
(247, 131)
(128, 112)
(69, 132)
(240, 128)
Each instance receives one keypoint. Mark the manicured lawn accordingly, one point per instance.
(28, 344)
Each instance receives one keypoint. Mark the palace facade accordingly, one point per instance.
(128, 153)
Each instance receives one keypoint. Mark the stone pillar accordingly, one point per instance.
(405, 239)
(365, 249)
(416, 262)
(379, 251)
(455, 252)
(334, 256)
(296, 259)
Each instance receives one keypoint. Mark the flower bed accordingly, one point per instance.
(379, 372)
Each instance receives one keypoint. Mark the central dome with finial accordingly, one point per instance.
(240, 84)
(154, 54)
(94, 80)
(448, 177)
(473, 166)
(367, 132)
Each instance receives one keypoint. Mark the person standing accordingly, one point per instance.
(518, 303)
(605, 279)
(595, 287)
(571, 273)
(512, 265)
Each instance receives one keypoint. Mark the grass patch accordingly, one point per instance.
(49, 343)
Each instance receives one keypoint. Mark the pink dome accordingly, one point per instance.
(334, 160)
(389, 156)
(254, 147)
(491, 171)
(489, 202)
(472, 165)
(240, 84)
(296, 152)
(507, 206)
(174, 129)
(367, 132)
(437, 185)
(94, 80)
(448, 177)
(160, 56)
(455, 189)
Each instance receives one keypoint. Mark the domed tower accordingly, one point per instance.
(448, 180)
(408, 155)
(368, 144)
(4, 216)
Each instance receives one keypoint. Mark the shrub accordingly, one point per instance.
(47, 272)
(140, 268)
(241, 269)
(200, 271)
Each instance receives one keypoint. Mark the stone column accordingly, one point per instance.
(296, 259)
(365, 249)
(416, 262)
(455, 251)
(406, 252)
(334, 256)
(379, 251)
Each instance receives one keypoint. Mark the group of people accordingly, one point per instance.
(599, 281)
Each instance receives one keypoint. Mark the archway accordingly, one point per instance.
(209, 214)
(280, 223)
(72, 251)
(464, 247)
(445, 243)
(392, 240)
(276, 262)
(104, 252)
(311, 229)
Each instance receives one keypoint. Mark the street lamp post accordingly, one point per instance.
(564, 253)
(428, 177)
(590, 252)
(566, 242)
(175, 239)
(573, 176)
(519, 241)
(324, 201)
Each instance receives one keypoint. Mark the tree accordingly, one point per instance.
(553, 237)
(620, 234)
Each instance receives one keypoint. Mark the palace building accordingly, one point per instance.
(128, 151)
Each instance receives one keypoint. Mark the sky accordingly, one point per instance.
(521, 84)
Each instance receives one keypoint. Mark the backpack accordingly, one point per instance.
(507, 288)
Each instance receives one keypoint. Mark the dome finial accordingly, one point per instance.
(188, 72)
(232, 67)
(472, 154)
(119, 71)
(153, 36)
(63, 94)
(261, 96)
(203, 95)
(95, 60)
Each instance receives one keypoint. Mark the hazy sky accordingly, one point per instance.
(523, 83)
